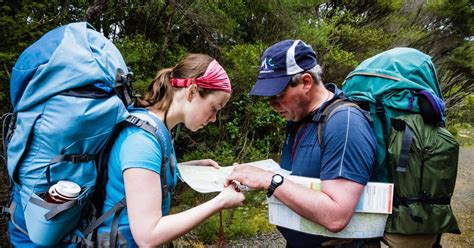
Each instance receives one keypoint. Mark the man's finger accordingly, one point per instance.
(231, 177)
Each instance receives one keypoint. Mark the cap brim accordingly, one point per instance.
(270, 86)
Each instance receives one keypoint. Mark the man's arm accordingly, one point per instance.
(332, 207)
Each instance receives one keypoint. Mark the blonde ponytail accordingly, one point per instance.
(160, 92)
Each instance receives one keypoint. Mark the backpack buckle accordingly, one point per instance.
(4, 212)
(398, 125)
(425, 195)
(135, 120)
(81, 158)
(379, 109)
(165, 190)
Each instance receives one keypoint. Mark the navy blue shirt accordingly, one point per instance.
(349, 153)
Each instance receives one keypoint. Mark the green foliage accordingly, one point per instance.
(464, 133)
(223, 154)
(461, 121)
(244, 221)
(155, 34)
(138, 53)
(241, 222)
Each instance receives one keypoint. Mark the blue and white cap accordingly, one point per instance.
(279, 63)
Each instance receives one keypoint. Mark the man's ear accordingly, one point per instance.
(307, 81)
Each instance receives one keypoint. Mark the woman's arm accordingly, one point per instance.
(202, 162)
(148, 225)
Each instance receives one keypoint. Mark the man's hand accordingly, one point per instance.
(203, 162)
(250, 176)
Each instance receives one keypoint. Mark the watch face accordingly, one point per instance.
(277, 178)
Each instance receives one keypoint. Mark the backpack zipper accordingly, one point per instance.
(373, 74)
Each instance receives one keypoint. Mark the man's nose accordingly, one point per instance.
(274, 103)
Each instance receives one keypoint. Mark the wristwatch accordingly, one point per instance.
(277, 180)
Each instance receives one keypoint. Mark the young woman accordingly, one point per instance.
(191, 93)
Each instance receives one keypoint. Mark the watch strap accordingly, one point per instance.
(274, 185)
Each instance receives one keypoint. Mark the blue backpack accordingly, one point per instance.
(71, 94)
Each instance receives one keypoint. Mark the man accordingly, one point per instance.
(291, 79)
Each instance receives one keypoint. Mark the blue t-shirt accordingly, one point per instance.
(135, 148)
(349, 153)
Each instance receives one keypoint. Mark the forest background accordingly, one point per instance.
(155, 34)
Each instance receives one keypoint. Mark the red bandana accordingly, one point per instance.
(215, 78)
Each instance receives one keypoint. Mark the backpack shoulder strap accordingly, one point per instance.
(327, 113)
(102, 168)
(160, 136)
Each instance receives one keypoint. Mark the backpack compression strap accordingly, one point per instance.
(55, 209)
(380, 112)
(114, 210)
(328, 111)
(123, 86)
(8, 128)
(407, 139)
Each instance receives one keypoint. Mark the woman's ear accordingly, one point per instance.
(191, 92)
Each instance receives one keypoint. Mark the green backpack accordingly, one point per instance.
(400, 89)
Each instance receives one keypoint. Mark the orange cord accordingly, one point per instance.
(221, 241)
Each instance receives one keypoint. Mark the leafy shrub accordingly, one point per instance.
(244, 221)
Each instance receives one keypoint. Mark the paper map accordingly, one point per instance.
(207, 179)
(367, 222)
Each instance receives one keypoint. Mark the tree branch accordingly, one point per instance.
(6, 71)
(94, 10)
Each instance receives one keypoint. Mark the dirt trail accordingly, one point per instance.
(463, 202)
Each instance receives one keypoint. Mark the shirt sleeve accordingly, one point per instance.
(141, 150)
(349, 147)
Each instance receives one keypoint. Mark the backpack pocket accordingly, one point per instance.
(422, 159)
(422, 218)
(48, 223)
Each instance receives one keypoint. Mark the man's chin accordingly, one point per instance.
(292, 118)
(286, 116)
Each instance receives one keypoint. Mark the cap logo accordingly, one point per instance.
(267, 65)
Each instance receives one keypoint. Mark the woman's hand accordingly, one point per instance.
(203, 162)
(230, 197)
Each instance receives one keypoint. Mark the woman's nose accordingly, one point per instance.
(213, 118)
